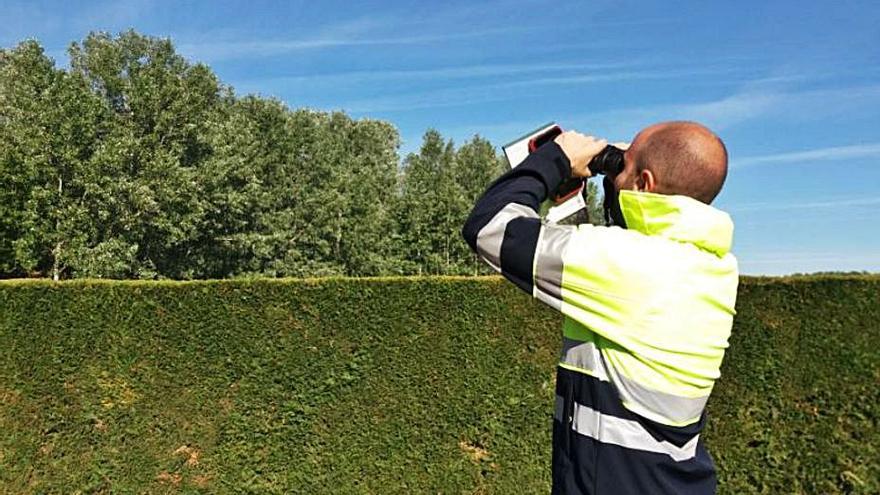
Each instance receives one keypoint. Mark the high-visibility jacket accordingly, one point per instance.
(648, 312)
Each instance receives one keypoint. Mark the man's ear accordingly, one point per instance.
(646, 181)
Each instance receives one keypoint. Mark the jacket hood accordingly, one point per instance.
(679, 218)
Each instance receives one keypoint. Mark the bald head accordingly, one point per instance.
(684, 157)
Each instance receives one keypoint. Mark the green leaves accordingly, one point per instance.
(340, 385)
(439, 186)
(135, 163)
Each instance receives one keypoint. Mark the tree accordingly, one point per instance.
(246, 175)
(135, 163)
(160, 107)
(26, 75)
(595, 211)
(298, 193)
(439, 186)
(101, 160)
(366, 176)
(477, 165)
(51, 127)
(428, 194)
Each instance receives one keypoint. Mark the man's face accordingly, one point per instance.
(628, 178)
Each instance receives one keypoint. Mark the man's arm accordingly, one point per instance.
(504, 227)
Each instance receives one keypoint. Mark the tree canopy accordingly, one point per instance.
(136, 163)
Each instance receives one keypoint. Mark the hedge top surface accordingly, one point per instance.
(748, 280)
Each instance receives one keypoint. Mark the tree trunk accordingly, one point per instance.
(55, 264)
(338, 248)
(56, 253)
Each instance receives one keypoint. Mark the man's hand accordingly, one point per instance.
(580, 150)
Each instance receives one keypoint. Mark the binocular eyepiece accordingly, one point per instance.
(609, 161)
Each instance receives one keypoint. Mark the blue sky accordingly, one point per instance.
(793, 87)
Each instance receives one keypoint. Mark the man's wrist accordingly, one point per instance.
(557, 169)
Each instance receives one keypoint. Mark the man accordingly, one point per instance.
(648, 304)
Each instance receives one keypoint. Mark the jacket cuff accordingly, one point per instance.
(552, 166)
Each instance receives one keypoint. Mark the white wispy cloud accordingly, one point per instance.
(449, 72)
(28, 20)
(112, 14)
(389, 27)
(754, 101)
(501, 90)
(862, 150)
(644, 74)
(332, 37)
(623, 123)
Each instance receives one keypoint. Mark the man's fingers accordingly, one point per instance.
(580, 149)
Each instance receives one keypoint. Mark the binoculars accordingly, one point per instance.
(609, 161)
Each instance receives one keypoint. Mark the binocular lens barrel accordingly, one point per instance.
(609, 161)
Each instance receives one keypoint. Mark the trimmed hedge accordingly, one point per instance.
(423, 385)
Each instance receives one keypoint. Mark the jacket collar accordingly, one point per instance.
(679, 218)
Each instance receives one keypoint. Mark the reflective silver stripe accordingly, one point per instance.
(559, 409)
(627, 433)
(547, 299)
(548, 267)
(491, 236)
(660, 405)
(674, 408)
(585, 356)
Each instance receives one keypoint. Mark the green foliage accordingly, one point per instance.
(135, 163)
(296, 193)
(419, 385)
(105, 155)
(50, 124)
(439, 186)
